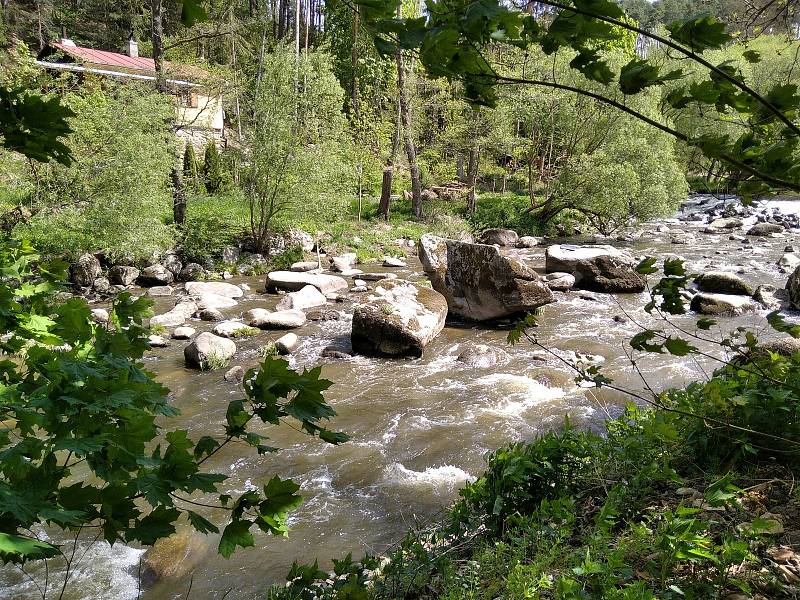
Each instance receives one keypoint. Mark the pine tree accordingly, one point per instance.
(212, 169)
(191, 170)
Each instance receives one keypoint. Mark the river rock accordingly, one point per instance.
(528, 241)
(324, 315)
(183, 333)
(789, 261)
(344, 263)
(597, 268)
(220, 288)
(721, 304)
(726, 223)
(207, 349)
(100, 316)
(173, 264)
(336, 352)
(214, 301)
(559, 282)
(304, 266)
(292, 281)
(481, 356)
(766, 295)
(191, 272)
(787, 346)
(764, 229)
(377, 276)
(102, 285)
(235, 374)
(173, 557)
(308, 297)
(720, 282)
(124, 275)
(156, 275)
(399, 318)
(500, 237)
(177, 316)
(478, 282)
(394, 262)
(157, 341)
(230, 255)
(210, 314)
(286, 344)
(160, 290)
(233, 329)
(282, 319)
(793, 289)
(85, 270)
(298, 237)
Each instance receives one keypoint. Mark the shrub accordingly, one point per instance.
(213, 173)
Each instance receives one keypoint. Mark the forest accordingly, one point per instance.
(362, 299)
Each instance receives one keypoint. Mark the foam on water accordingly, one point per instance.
(442, 481)
(516, 393)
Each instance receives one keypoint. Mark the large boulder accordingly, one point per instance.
(156, 275)
(478, 282)
(234, 329)
(177, 316)
(344, 263)
(720, 282)
(559, 282)
(308, 297)
(400, 318)
(726, 223)
(214, 301)
(220, 288)
(596, 268)
(293, 281)
(500, 237)
(124, 275)
(281, 319)
(298, 237)
(191, 271)
(793, 289)
(208, 351)
(764, 229)
(173, 557)
(173, 264)
(722, 305)
(85, 270)
(482, 356)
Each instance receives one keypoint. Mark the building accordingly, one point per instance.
(198, 101)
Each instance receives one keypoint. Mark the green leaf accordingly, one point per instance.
(751, 56)
(280, 497)
(33, 125)
(642, 341)
(236, 533)
(705, 323)
(192, 12)
(201, 524)
(700, 34)
(674, 267)
(778, 323)
(647, 266)
(678, 346)
(639, 74)
(15, 548)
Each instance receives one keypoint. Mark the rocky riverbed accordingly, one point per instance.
(421, 421)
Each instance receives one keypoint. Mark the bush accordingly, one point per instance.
(507, 211)
(211, 224)
(213, 174)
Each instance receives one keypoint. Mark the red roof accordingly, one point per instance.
(123, 61)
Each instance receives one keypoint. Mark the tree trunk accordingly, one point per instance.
(472, 174)
(460, 168)
(157, 35)
(408, 138)
(178, 193)
(354, 64)
(386, 191)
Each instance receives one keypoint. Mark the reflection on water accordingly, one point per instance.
(419, 427)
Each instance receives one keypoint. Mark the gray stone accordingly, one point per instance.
(481, 356)
(282, 319)
(230, 255)
(336, 352)
(124, 275)
(377, 276)
(102, 285)
(478, 282)
(528, 241)
(500, 237)
(559, 282)
(721, 304)
(100, 316)
(720, 282)
(160, 290)
(233, 329)
(210, 314)
(764, 229)
(173, 264)
(308, 297)
(400, 318)
(324, 315)
(235, 375)
(156, 341)
(793, 289)
(177, 316)
(286, 344)
(783, 346)
(156, 275)
(183, 333)
(304, 266)
(298, 237)
(220, 288)
(191, 272)
(393, 261)
(726, 223)
(207, 350)
(596, 268)
(85, 270)
(291, 281)
(789, 261)
(766, 295)
(345, 262)
(214, 301)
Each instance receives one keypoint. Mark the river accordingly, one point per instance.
(419, 428)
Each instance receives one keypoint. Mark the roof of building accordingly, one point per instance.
(105, 62)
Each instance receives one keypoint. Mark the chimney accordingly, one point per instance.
(133, 48)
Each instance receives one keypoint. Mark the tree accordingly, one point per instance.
(191, 170)
(460, 38)
(212, 169)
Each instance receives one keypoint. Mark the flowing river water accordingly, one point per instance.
(419, 428)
